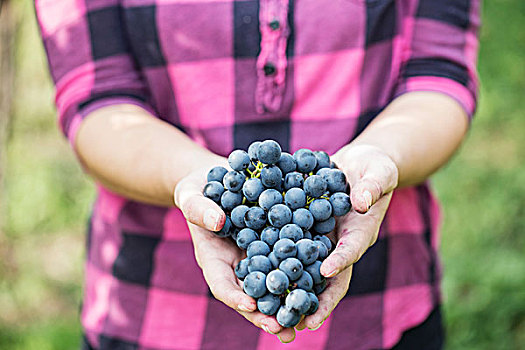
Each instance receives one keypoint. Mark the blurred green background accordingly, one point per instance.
(45, 202)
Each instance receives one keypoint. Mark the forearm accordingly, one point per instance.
(136, 155)
(420, 131)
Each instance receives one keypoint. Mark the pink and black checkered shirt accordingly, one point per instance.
(307, 73)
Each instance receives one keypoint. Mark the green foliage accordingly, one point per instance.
(483, 197)
(48, 201)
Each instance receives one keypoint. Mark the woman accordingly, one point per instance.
(152, 94)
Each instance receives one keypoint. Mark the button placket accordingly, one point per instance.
(272, 62)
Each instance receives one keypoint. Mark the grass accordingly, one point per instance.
(482, 189)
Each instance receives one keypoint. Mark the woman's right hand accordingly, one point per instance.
(217, 257)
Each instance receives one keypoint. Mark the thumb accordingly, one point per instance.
(379, 177)
(196, 208)
(365, 192)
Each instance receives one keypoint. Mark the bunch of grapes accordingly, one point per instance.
(279, 208)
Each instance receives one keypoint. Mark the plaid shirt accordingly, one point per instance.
(307, 73)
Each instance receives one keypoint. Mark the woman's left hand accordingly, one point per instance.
(372, 176)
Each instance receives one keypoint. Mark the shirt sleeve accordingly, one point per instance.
(89, 59)
(441, 50)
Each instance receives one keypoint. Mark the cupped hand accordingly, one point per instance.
(217, 257)
(372, 176)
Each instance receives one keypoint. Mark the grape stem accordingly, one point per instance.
(257, 171)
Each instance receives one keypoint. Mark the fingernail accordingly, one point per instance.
(368, 199)
(266, 329)
(211, 219)
(332, 273)
(244, 308)
(318, 326)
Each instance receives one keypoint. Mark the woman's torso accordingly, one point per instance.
(198, 60)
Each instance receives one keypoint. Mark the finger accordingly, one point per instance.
(371, 173)
(266, 323)
(287, 335)
(378, 179)
(301, 325)
(357, 233)
(328, 300)
(351, 246)
(222, 282)
(196, 208)
(365, 193)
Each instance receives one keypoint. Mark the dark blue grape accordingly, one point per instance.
(274, 260)
(326, 241)
(333, 165)
(304, 282)
(315, 186)
(314, 304)
(279, 215)
(226, 229)
(230, 200)
(284, 248)
(269, 198)
(257, 248)
(295, 198)
(307, 251)
(323, 172)
(277, 282)
(293, 179)
(255, 284)
(321, 209)
(323, 251)
(268, 304)
(298, 301)
(237, 215)
(315, 271)
(305, 160)
(233, 181)
(336, 181)
(239, 160)
(324, 227)
(252, 189)
(287, 318)
(241, 270)
(269, 152)
(291, 231)
(213, 190)
(292, 267)
(245, 237)
(259, 263)
(252, 151)
(270, 235)
(286, 163)
(255, 218)
(323, 159)
(340, 203)
(304, 219)
(308, 235)
(320, 287)
(216, 174)
(271, 176)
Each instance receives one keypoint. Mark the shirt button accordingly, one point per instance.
(274, 24)
(269, 69)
